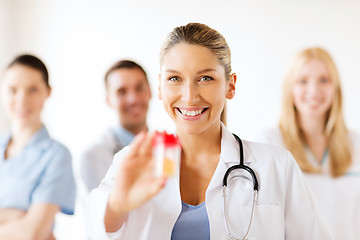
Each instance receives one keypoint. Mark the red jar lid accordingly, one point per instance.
(166, 139)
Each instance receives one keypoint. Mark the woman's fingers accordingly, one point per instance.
(136, 143)
(141, 148)
(136, 182)
(142, 144)
(146, 146)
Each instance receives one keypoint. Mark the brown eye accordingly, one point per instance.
(140, 88)
(121, 92)
(302, 81)
(324, 80)
(33, 90)
(12, 90)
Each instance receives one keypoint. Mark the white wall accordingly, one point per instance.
(5, 46)
(80, 39)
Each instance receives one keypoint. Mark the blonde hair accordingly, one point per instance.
(203, 35)
(335, 129)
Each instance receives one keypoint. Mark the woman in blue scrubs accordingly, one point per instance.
(36, 178)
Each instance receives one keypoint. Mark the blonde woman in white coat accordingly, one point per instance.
(130, 203)
(312, 127)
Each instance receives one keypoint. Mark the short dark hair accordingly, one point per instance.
(124, 64)
(33, 62)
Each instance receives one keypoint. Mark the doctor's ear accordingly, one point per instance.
(108, 100)
(49, 92)
(159, 89)
(231, 86)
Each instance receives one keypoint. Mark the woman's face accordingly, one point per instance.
(193, 87)
(24, 92)
(313, 91)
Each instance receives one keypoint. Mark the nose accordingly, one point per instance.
(21, 99)
(132, 97)
(190, 93)
(313, 89)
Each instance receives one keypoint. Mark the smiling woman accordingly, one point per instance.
(132, 203)
(312, 127)
(36, 179)
(193, 87)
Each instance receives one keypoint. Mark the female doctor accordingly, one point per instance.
(312, 127)
(130, 203)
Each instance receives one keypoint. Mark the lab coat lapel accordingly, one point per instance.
(169, 197)
(229, 156)
(169, 201)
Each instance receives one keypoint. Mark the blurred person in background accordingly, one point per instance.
(36, 177)
(128, 94)
(312, 128)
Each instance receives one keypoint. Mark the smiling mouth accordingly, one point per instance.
(192, 113)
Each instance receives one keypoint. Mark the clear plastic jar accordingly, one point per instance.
(166, 154)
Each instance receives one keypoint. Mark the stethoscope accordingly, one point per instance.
(255, 187)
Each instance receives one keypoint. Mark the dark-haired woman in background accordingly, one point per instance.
(36, 178)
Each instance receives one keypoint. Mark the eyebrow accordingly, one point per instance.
(199, 72)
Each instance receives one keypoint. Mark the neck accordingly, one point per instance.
(312, 127)
(197, 147)
(21, 134)
(315, 138)
(136, 129)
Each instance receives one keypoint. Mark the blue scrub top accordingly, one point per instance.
(41, 173)
(192, 223)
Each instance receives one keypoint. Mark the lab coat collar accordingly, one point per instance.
(230, 152)
(229, 156)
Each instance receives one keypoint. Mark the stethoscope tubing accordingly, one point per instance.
(255, 187)
(241, 166)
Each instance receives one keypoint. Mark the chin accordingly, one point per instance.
(24, 122)
(314, 114)
(136, 121)
(191, 130)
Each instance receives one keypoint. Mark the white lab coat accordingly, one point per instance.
(338, 198)
(285, 208)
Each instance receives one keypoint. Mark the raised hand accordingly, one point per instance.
(135, 182)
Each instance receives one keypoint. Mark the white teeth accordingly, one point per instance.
(190, 113)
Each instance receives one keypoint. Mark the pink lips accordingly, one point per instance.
(191, 114)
